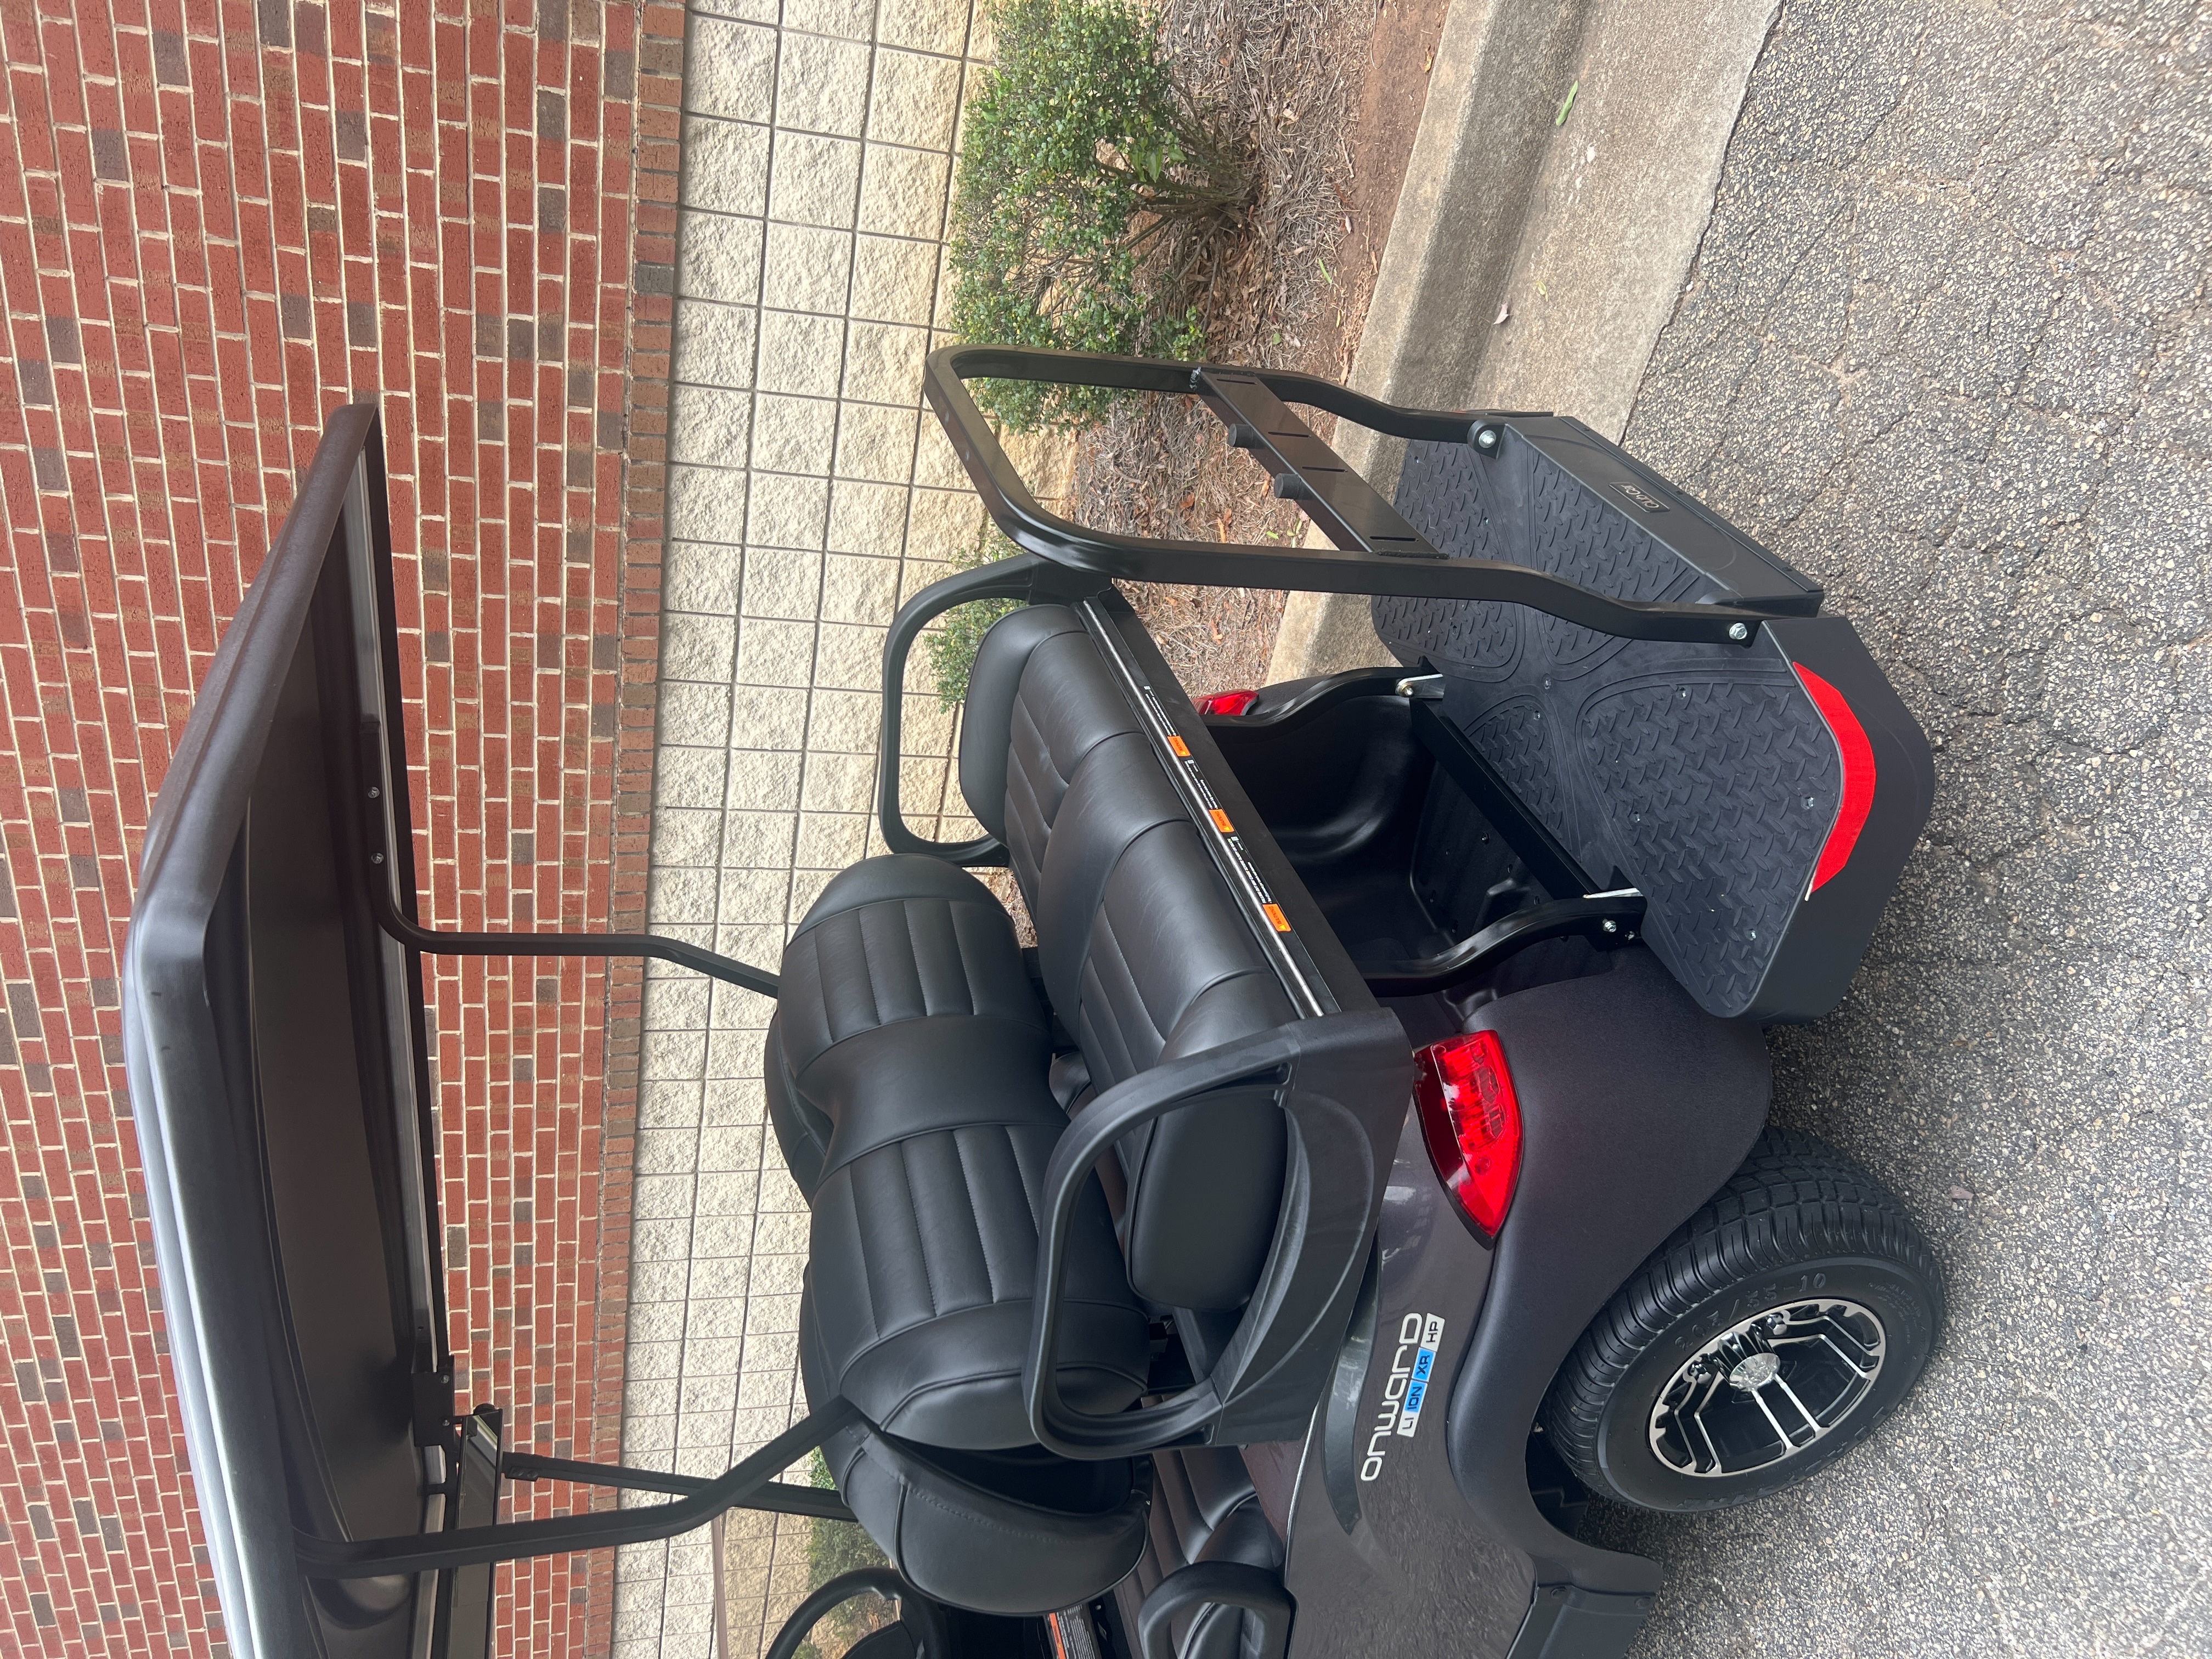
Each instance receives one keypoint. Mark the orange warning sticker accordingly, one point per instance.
(1221, 821)
(1178, 745)
(1274, 913)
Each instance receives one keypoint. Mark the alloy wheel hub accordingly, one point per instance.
(1768, 1388)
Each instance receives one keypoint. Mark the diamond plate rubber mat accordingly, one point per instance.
(1703, 775)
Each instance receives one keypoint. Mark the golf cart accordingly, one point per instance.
(1367, 1165)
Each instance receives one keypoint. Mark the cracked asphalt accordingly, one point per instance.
(1947, 347)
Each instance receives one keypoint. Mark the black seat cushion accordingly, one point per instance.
(1039, 702)
(924, 1252)
(1146, 958)
(892, 940)
(1017, 1532)
(914, 1058)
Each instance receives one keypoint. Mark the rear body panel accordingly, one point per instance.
(1383, 1550)
(1636, 1105)
(1704, 776)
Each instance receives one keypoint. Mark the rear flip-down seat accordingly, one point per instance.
(911, 1073)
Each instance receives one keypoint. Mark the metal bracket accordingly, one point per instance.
(1610, 918)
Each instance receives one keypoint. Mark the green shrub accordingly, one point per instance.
(952, 650)
(1091, 182)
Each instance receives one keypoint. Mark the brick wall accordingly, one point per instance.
(217, 221)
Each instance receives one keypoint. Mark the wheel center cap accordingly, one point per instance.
(1756, 1371)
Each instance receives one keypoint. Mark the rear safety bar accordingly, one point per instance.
(1376, 551)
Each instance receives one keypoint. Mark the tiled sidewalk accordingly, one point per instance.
(808, 496)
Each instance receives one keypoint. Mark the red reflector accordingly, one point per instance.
(1858, 777)
(1226, 702)
(1471, 1119)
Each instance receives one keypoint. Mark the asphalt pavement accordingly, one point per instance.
(1946, 346)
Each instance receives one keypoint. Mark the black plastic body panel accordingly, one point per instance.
(1636, 1107)
(1385, 1555)
(1830, 929)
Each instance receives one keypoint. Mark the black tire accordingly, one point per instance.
(1795, 1227)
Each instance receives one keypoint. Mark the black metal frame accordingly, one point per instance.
(776, 1498)
(1376, 551)
(433, 942)
(391, 901)
(559, 1535)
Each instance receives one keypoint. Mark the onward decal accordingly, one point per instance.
(1407, 1390)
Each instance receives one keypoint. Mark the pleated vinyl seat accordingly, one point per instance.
(911, 1073)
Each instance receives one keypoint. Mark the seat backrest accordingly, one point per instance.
(1140, 946)
(1039, 702)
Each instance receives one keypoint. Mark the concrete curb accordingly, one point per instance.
(1588, 230)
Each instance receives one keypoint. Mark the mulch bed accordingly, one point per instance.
(1322, 93)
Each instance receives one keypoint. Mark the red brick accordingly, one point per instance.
(183, 424)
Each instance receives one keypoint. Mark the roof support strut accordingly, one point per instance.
(511, 1540)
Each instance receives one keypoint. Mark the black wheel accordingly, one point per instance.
(1763, 1341)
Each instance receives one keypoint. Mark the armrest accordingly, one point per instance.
(923, 1618)
(1216, 1584)
(1018, 578)
(1345, 1083)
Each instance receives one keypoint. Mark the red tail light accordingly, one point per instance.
(1471, 1119)
(1857, 756)
(1226, 702)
